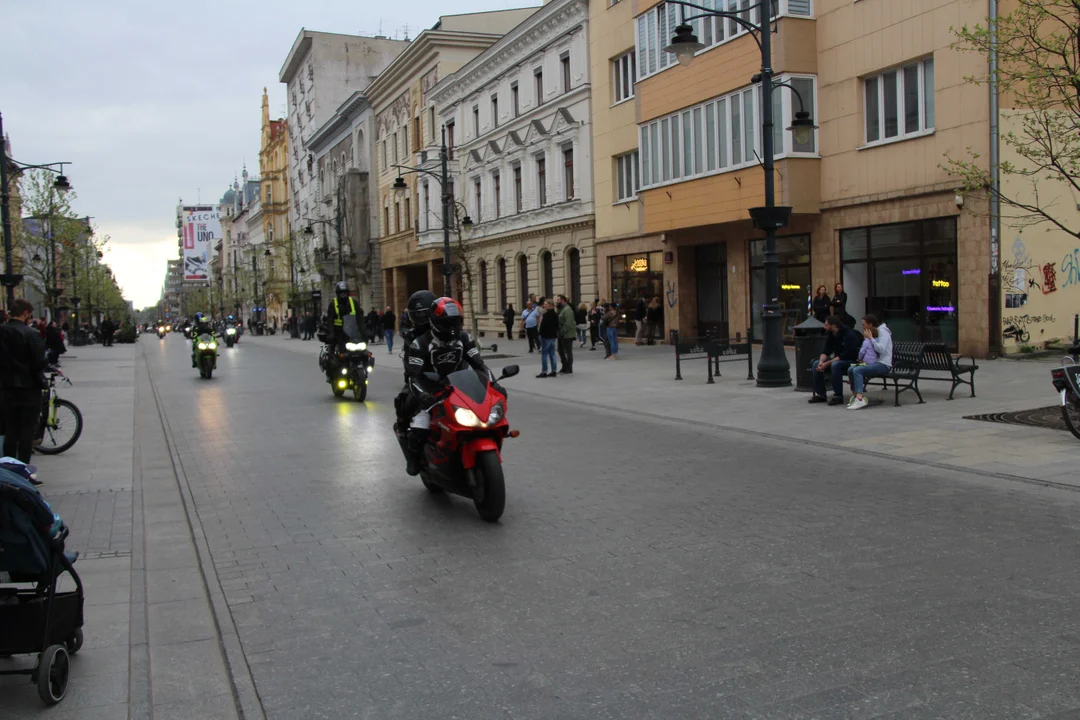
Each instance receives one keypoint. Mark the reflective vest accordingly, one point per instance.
(337, 310)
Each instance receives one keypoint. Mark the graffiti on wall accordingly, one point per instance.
(1018, 327)
(1021, 275)
(1070, 268)
(672, 294)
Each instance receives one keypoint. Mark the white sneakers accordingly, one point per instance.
(857, 404)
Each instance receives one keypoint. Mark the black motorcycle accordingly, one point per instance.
(231, 335)
(206, 355)
(350, 364)
(1067, 382)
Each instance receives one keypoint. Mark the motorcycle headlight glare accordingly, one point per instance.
(344, 371)
(370, 368)
(212, 346)
(230, 331)
(466, 417)
(356, 347)
(202, 346)
(496, 413)
(342, 384)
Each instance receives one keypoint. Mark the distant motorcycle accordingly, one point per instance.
(161, 331)
(1066, 381)
(206, 355)
(350, 365)
(231, 336)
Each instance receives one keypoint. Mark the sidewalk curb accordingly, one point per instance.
(810, 443)
(245, 694)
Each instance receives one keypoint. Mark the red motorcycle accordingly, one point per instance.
(463, 452)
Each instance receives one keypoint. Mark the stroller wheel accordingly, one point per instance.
(52, 674)
(74, 643)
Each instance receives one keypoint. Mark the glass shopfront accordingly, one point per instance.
(905, 274)
(793, 253)
(634, 276)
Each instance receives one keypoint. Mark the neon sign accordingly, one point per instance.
(912, 271)
(941, 283)
(639, 265)
(940, 308)
(791, 287)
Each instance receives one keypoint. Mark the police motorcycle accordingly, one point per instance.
(349, 363)
(1066, 381)
(230, 333)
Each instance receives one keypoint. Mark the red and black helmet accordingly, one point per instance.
(447, 319)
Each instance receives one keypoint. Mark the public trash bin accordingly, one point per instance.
(809, 342)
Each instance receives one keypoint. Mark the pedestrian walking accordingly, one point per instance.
(611, 329)
(581, 320)
(388, 328)
(530, 320)
(654, 318)
(567, 334)
(641, 310)
(108, 327)
(549, 339)
(22, 364)
(373, 330)
(54, 344)
(509, 317)
(596, 314)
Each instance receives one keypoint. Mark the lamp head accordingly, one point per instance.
(61, 185)
(466, 222)
(684, 45)
(309, 231)
(267, 253)
(399, 185)
(802, 128)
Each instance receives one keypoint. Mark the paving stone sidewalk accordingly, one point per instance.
(936, 433)
(152, 648)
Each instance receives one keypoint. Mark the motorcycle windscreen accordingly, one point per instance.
(470, 384)
(351, 328)
(206, 338)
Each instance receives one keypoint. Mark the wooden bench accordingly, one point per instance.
(912, 359)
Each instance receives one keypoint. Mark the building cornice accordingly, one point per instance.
(546, 26)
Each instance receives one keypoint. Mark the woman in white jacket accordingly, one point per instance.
(880, 336)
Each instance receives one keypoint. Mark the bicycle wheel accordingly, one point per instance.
(62, 434)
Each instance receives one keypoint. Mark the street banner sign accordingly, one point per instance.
(201, 225)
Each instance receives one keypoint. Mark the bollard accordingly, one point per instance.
(674, 337)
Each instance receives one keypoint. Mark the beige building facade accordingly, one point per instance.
(406, 125)
(872, 208)
(277, 230)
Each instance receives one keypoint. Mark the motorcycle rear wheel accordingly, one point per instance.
(1070, 412)
(489, 468)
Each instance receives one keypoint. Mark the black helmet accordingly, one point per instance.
(447, 319)
(342, 291)
(418, 309)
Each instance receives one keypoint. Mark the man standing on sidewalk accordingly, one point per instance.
(388, 321)
(22, 362)
(530, 318)
(567, 335)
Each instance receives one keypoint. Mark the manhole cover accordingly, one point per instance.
(1045, 417)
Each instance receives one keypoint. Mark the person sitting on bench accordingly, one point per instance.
(840, 351)
(880, 338)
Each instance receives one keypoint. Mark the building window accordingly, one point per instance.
(385, 165)
(626, 176)
(564, 62)
(408, 213)
(386, 220)
(899, 103)
(517, 188)
(573, 262)
(483, 286)
(906, 274)
(394, 145)
(538, 78)
(541, 180)
(568, 173)
(426, 208)
(500, 268)
(523, 280)
(450, 140)
(404, 141)
(497, 193)
(478, 199)
(431, 123)
(515, 104)
(476, 120)
(416, 132)
(623, 69)
(547, 288)
(397, 217)
(721, 134)
(494, 111)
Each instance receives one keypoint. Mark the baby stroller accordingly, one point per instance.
(34, 617)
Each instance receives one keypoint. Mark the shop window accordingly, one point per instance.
(634, 276)
(793, 254)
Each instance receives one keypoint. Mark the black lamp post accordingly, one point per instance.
(443, 179)
(773, 367)
(10, 279)
(337, 223)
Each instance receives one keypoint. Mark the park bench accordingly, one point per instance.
(913, 360)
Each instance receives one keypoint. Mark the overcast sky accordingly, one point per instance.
(155, 101)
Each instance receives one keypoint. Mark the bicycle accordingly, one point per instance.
(61, 421)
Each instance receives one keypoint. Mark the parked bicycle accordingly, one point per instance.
(61, 421)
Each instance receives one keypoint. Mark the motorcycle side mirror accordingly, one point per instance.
(509, 371)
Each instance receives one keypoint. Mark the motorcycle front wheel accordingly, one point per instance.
(489, 468)
(1070, 411)
(207, 367)
(359, 390)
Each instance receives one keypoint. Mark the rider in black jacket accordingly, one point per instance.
(202, 326)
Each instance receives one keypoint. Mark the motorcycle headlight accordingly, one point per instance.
(202, 346)
(212, 346)
(342, 384)
(370, 368)
(497, 413)
(344, 371)
(355, 347)
(230, 331)
(466, 417)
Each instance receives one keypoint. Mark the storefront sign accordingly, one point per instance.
(639, 265)
(940, 308)
(791, 287)
(913, 271)
(941, 283)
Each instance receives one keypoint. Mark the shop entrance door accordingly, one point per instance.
(712, 289)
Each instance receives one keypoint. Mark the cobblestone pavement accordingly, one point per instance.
(645, 568)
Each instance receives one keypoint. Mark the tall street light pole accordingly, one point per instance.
(443, 177)
(773, 367)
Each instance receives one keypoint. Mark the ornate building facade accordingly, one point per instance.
(283, 261)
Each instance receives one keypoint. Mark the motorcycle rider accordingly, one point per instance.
(202, 326)
(442, 349)
(341, 306)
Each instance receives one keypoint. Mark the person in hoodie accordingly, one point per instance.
(880, 338)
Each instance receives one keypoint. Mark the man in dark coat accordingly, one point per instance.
(22, 362)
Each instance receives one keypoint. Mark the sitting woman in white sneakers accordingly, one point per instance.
(875, 358)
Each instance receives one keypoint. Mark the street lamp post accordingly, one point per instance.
(10, 279)
(773, 367)
(337, 223)
(447, 203)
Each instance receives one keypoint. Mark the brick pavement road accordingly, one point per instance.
(643, 569)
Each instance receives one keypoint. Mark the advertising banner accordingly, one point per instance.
(201, 229)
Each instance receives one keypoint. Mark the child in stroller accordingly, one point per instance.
(37, 619)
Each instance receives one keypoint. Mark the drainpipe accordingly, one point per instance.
(995, 187)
